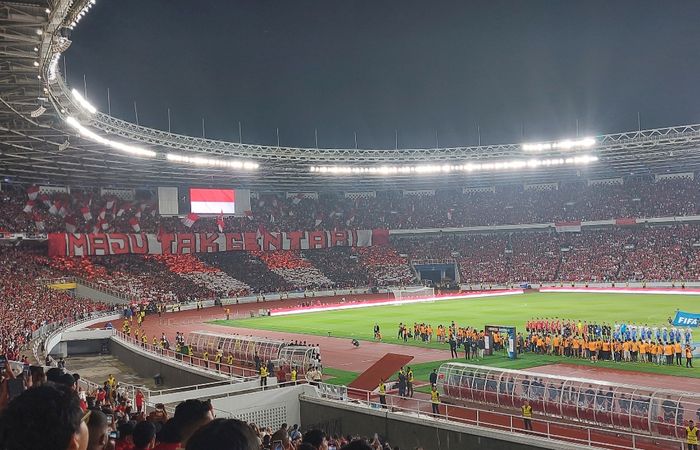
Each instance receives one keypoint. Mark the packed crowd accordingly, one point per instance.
(666, 253)
(296, 270)
(27, 304)
(105, 418)
(27, 209)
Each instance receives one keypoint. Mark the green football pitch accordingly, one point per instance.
(514, 310)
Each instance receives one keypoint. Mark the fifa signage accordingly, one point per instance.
(686, 319)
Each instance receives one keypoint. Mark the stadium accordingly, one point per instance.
(169, 290)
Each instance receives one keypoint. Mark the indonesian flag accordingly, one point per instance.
(138, 214)
(135, 225)
(109, 204)
(220, 222)
(568, 227)
(260, 232)
(62, 210)
(32, 192)
(55, 206)
(121, 210)
(29, 206)
(70, 225)
(102, 214)
(102, 225)
(45, 200)
(211, 201)
(39, 222)
(85, 211)
(190, 219)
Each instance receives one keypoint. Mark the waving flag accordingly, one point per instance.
(39, 222)
(85, 211)
(190, 219)
(70, 225)
(32, 192)
(220, 222)
(135, 225)
(29, 206)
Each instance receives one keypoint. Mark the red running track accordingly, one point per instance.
(339, 353)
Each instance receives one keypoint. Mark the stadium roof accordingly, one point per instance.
(39, 143)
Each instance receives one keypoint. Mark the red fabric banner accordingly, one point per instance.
(93, 244)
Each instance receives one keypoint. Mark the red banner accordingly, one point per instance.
(95, 244)
(626, 221)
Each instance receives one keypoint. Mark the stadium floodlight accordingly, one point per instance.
(566, 144)
(210, 162)
(449, 168)
(89, 134)
(84, 103)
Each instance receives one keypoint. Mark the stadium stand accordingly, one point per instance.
(27, 304)
(298, 272)
(86, 211)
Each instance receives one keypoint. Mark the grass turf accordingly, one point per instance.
(510, 310)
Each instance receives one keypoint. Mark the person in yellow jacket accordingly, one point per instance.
(409, 382)
(435, 400)
(293, 375)
(678, 349)
(229, 363)
(205, 357)
(382, 393)
(527, 415)
(263, 375)
(688, 356)
(691, 436)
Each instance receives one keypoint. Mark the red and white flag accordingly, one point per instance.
(220, 222)
(135, 224)
(568, 227)
(121, 210)
(54, 207)
(32, 192)
(109, 204)
(39, 222)
(190, 219)
(62, 210)
(85, 211)
(70, 225)
(211, 201)
(29, 206)
(102, 214)
(102, 225)
(260, 232)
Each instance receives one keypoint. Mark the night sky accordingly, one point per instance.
(523, 70)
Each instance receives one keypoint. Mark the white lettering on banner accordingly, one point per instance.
(688, 321)
(95, 244)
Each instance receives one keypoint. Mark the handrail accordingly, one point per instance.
(500, 420)
(225, 370)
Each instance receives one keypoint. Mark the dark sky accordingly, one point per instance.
(373, 66)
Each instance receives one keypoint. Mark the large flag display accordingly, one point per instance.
(212, 201)
(73, 244)
(686, 319)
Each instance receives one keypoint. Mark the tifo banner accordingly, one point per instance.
(568, 227)
(95, 244)
(686, 319)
